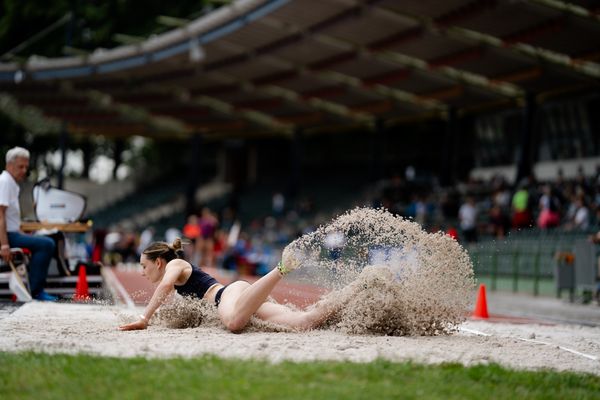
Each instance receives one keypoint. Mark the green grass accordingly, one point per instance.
(42, 376)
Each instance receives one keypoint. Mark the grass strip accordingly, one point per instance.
(39, 376)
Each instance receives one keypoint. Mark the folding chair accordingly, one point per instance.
(17, 269)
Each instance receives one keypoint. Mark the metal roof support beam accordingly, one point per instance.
(567, 8)
(262, 86)
(502, 88)
(457, 75)
(297, 98)
(499, 87)
(254, 117)
(337, 78)
(44, 32)
(104, 101)
(347, 80)
(585, 68)
(172, 22)
(29, 117)
(227, 109)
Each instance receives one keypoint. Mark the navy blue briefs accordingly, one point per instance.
(218, 296)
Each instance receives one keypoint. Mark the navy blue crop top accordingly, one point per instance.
(197, 284)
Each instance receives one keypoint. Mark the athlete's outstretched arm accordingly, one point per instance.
(166, 286)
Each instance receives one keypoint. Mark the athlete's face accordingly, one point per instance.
(152, 270)
(18, 168)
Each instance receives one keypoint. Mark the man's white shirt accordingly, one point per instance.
(9, 197)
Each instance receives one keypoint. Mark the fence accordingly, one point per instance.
(529, 261)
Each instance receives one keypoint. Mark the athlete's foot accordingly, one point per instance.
(289, 262)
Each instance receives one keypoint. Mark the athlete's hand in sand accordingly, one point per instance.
(134, 326)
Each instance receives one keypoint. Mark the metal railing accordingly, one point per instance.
(525, 262)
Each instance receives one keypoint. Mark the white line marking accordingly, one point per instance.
(588, 356)
(113, 281)
(562, 348)
(473, 331)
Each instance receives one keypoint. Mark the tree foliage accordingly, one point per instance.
(93, 24)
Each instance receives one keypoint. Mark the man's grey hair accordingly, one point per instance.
(16, 152)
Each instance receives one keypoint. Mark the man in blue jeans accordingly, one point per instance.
(41, 247)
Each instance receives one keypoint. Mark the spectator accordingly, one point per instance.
(41, 247)
(126, 248)
(172, 233)
(467, 214)
(192, 232)
(146, 237)
(208, 225)
(499, 221)
(520, 204)
(549, 216)
(452, 232)
(278, 204)
(394, 194)
(581, 221)
(98, 245)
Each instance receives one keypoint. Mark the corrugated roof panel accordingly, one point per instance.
(307, 12)
(250, 69)
(364, 68)
(254, 35)
(369, 29)
(496, 62)
(568, 41)
(432, 8)
(429, 46)
(507, 18)
(304, 83)
(354, 97)
(419, 82)
(306, 52)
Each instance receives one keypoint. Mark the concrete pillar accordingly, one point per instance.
(119, 146)
(529, 139)
(194, 173)
(295, 181)
(377, 144)
(448, 174)
(63, 141)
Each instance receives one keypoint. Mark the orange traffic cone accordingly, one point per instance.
(82, 292)
(481, 305)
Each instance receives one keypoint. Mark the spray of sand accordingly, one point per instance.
(386, 275)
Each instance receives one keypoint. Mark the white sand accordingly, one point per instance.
(92, 329)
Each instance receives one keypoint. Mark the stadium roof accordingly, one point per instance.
(271, 66)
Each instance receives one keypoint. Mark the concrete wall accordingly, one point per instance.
(544, 171)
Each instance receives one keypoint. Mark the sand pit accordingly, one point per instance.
(385, 276)
(92, 329)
